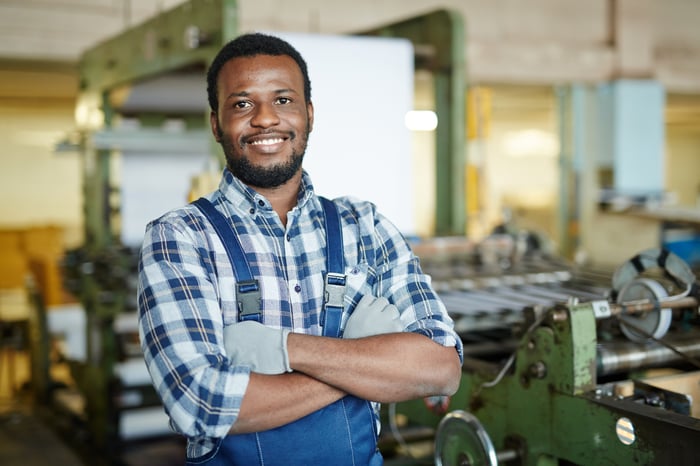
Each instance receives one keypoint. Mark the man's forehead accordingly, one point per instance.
(261, 66)
(264, 61)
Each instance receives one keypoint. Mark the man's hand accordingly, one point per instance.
(262, 348)
(373, 316)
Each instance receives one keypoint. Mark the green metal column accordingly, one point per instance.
(579, 114)
(567, 176)
(439, 43)
(585, 124)
(185, 37)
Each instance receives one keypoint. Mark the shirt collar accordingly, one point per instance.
(246, 198)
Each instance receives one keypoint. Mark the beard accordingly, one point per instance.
(263, 177)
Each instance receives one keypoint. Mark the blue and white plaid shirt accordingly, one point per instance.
(186, 293)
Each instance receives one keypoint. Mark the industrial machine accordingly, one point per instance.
(584, 375)
(557, 358)
(126, 118)
(142, 121)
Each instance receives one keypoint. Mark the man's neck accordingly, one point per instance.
(283, 198)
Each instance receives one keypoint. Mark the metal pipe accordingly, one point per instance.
(622, 357)
(645, 305)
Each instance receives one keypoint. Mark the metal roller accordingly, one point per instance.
(174, 93)
(622, 357)
(641, 327)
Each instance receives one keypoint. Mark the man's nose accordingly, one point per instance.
(265, 116)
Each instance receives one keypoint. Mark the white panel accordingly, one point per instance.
(132, 372)
(153, 183)
(67, 323)
(361, 88)
(639, 136)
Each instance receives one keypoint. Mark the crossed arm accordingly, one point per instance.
(385, 368)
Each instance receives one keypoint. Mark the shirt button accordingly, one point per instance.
(261, 203)
(289, 237)
(297, 288)
(252, 211)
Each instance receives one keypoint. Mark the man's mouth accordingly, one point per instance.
(266, 141)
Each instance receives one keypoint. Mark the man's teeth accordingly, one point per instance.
(266, 142)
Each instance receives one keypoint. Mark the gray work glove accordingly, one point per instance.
(373, 316)
(262, 348)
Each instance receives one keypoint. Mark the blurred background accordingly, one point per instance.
(567, 128)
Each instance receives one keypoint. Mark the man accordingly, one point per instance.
(277, 389)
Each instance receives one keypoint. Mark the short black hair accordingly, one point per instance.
(249, 45)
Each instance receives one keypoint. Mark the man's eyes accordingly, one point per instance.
(247, 104)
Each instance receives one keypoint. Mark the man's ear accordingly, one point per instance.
(214, 122)
(310, 112)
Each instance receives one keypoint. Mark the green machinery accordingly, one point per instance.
(182, 42)
(559, 399)
(102, 272)
(579, 385)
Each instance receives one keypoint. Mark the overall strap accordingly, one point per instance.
(334, 282)
(247, 287)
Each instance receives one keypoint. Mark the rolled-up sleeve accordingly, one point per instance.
(181, 331)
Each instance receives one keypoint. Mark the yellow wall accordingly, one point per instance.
(38, 186)
(516, 161)
(683, 166)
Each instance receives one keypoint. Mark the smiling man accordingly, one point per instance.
(263, 124)
(273, 321)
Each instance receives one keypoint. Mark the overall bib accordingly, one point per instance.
(342, 433)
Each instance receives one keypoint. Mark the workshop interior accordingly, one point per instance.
(542, 158)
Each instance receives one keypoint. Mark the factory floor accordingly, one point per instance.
(31, 435)
(27, 439)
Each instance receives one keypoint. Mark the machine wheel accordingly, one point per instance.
(461, 440)
(655, 323)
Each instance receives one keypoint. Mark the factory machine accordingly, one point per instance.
(143, 140)
(562, 366)
(566, 366)
(143, 135)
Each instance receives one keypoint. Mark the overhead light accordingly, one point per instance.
(421, 120)
(530, 143)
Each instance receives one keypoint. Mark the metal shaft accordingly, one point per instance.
(646, 305)
(621, 357)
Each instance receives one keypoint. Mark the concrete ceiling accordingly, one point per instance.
(43, 39)
(60, 30)
(507, 41)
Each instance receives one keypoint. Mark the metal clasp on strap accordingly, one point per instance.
(332, 313)
(334, 289)
(248, 299)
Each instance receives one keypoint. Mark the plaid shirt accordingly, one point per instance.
(186, 293)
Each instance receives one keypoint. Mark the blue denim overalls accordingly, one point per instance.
(342, 433)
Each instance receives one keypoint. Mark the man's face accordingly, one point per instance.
(263, 121)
